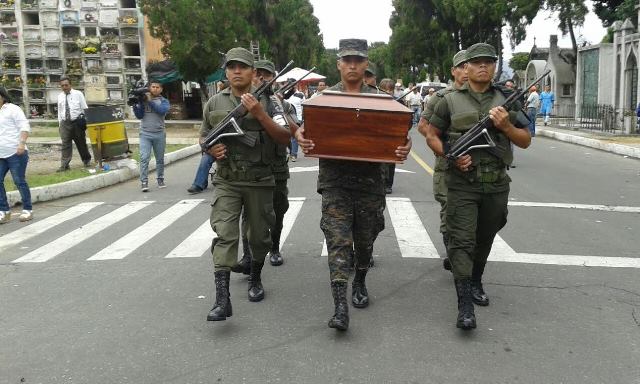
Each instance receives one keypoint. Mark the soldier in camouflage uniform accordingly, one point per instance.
(439, 180)
(478, 184)
(353, 198)
(265, 71)
(244, 178)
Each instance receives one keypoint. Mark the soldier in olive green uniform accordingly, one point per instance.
(478, 185)
(244, 179)
(265, 71)
(439, 171)
(353, 198)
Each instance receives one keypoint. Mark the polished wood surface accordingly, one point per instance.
(363, 127)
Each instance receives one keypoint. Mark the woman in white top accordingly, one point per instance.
(14, 156)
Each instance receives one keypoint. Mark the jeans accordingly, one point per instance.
(294, 147)
(416, 113)
(17, 164)
(202, 174)
(157, 141)
(532, 112)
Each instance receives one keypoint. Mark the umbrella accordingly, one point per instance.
(297, 73)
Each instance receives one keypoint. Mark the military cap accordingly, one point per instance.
(239, 54)
(352, 47)
(460, 58)
(266, 65)
(371, 69)
(481, 50)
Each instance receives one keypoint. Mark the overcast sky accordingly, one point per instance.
(369, 19)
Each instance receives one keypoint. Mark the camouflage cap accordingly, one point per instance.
(460, 58)
(371, 69)
(481, 50)
(352, 47)
(239, 54)
(266, 65)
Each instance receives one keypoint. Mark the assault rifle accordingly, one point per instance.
(282, 92)
(399, 98)
(230, 125)
(478, 135)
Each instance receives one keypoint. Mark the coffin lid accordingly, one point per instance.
(370, 101)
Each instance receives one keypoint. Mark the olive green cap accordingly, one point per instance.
(266, 65)
(460, 58)
(352, 47)
(481, 50)
(239, 54)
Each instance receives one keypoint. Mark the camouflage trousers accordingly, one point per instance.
(350, 220)
(280, 207)
(473, 220)
(228, 203)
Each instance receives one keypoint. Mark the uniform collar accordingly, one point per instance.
(465, 87)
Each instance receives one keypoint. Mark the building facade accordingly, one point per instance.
(99, 45)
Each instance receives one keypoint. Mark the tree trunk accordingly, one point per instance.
(573, 41)
(500, 58)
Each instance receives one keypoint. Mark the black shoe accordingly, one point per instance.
(194, 189)
(275, 258)
(340, 319)
(359, 294)
(466, 317)
(478, 294)
(63, 169)
(446, 263)
(256, 291)
(222, 308)
(144, 186)
(388, 190)
(87, 164)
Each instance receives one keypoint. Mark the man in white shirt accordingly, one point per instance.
(71, 106)
(14, 156)
(415, 103)
(533, 103)
(296, 101)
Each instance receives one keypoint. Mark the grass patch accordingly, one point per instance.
(38, 180)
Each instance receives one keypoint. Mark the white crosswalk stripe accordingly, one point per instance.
(136, 238)
(195, 244)
(412, 238)
(61, 244)
(41, 226)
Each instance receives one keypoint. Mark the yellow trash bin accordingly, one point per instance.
(107, 133)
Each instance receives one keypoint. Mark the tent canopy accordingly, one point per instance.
(297, 73)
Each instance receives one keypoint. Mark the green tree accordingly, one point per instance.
(194, 40)
(571, 14)
(611, 10)
(327, 66)
(519, 61)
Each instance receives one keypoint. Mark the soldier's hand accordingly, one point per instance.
(403, 151)
(219, 151)
(305, 144)
(464, 163)
(500, 118)
(252, 104)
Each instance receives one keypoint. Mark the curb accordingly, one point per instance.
(619, 149)
(91, 183)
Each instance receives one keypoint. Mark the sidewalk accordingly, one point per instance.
(622, 145)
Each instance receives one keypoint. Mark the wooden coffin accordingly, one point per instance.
(351, 126)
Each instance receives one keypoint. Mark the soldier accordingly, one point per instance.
(353, 199)
(439, 179)
(265, 71)
(478, 184)
(370, 75)
(244, 179)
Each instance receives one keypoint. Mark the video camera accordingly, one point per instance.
(137, 93)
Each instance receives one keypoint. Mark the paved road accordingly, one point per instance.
(114, 287)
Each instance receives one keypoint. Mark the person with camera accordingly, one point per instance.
(151, 109)
(71, 106)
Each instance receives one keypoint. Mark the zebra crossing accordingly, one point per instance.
(411, 236)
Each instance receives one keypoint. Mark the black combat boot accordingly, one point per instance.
(256, 292)
(340, 319)
(275, 257)
(222, 308)
(466, 317)
(477, 291)
(446, 263)
(359, 294)
(244, 265)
